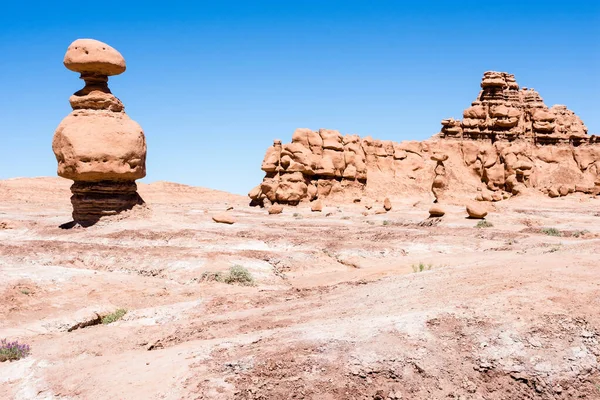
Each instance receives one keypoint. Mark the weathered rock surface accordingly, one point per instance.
(508, 143)
(98, 146)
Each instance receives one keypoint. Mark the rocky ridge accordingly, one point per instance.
(508, 143)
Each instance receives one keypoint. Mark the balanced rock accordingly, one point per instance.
(276, 209)
(98, 146)
(223, 218)
(436, 211)
(476, 210)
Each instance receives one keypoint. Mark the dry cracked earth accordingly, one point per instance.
(336, 312)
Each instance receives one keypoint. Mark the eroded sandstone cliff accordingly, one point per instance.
(508, 142)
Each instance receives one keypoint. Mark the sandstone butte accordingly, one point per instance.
(97, 145)
(508, 143)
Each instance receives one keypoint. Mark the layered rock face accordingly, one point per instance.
(504, 112)
(509, 142)
(98, 146)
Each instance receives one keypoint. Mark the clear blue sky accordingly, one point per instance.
(214, 82)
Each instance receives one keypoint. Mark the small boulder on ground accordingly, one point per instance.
(436, 211)
(316, 206)
(553, 192)
(276, 209)
(387, 204)
(223, 218)
(477, 211)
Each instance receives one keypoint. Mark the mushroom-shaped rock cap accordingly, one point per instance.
(95, 57)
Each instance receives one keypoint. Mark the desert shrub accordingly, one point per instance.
(386, 222)
(297, 215)
(208, 276)
(484, 224)
(12, 351)
(240, 275)
(115, 316)
(421, 267)
(578, 234)
(551, 231)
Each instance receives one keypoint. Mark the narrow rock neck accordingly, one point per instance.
(95, 95)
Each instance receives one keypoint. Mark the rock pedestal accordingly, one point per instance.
(98, 146)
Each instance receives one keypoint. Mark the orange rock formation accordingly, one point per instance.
(98, 146)
(509, 142)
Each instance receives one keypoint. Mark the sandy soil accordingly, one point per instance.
(504, 312)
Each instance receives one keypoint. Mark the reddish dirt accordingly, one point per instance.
(505, 312)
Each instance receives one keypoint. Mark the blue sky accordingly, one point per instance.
(214, 82)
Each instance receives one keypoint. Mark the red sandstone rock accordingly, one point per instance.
(98, 146)
(436, 211)
(509, 142)
(223, 218)
(276, 209)
(387, 204)
(476, 210)
(316, 206)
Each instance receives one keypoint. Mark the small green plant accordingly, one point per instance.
(484, 224)
(208, 276)
(579, 234)
(26, 292)
(551, 232)
(297, 215)
(12, 351)
(421, 267)
(240, 275)
(386, 222)
(115, 316)
(554, 249)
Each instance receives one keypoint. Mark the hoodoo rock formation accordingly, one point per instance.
(98, 146)
(508, 143)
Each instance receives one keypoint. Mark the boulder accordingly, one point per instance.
(316, 206)
(476, 210)
(387, 204)
(224, 218)
(436, 211)
(276, 209)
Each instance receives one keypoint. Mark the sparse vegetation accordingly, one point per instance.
(484, 224)
(240, 275)
(551, 232)
(345, 217)
(236, 274)
(421, 267)
(12, 351)
(26, 292)
(115, 316)
(208, 276)
(386, 222)
(297, 215)
(579, 234)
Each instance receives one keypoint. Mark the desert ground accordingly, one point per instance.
(337, 310)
